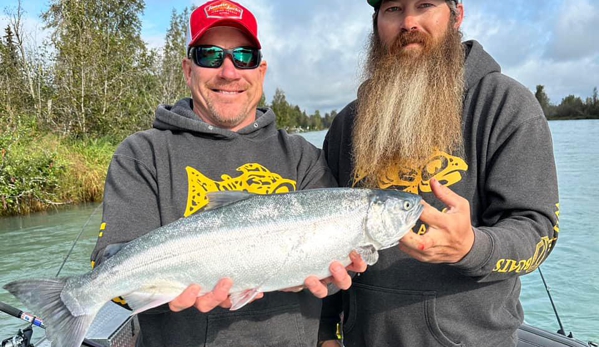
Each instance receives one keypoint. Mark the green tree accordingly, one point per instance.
(543, 99)
(282, 109)
(172, 81)
(101, 66)
(10, 78)
(262, 103)
(593, 104)
(571, 107)
(23, 78)
(316, 121)
(328, 119)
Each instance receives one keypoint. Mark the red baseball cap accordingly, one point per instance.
(217, 13)
(377, 3)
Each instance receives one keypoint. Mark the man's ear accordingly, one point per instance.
(263, 68)
(460, 15)
(186, 65)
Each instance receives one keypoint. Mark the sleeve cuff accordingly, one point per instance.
(482, 249)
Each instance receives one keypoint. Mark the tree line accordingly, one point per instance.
(571, 107)
(94, 76)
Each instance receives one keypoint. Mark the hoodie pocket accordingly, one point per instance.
(389, 317)
(281, 326)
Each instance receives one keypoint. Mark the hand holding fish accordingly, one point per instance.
(340, 277)
(219, 296)
(449, 236)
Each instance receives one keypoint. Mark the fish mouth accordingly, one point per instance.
(418, 212)
(415, 215)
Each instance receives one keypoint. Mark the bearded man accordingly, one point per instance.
(436, 117)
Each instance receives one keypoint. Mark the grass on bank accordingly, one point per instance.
(43, 171)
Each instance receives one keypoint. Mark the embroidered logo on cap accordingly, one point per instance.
(223, 9)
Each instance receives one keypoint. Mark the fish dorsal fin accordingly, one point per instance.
(240, 299)
(368, 254)
(220, 199)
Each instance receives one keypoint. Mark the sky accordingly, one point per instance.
(314, 48)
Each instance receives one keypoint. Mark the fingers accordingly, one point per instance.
(358, 264)
(216, 297)
(341, 277)
(430, 215)
(415, 242)
(316, 287)
(186, 299)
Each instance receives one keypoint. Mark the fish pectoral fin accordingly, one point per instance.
(220, 199)
(150, 297)
(369, 254)
(241, 299)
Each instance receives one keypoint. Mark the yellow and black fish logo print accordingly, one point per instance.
(254, 178)
(441, 166)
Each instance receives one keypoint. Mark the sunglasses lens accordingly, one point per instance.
(213, 57)
(210, 57)
(246, 58)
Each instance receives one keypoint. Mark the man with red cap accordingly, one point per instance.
(217, 139)
(436, 117)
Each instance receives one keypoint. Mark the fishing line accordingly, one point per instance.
(77, 240)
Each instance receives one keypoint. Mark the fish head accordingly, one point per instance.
(391, 215)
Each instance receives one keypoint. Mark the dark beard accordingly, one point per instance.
(410, 105)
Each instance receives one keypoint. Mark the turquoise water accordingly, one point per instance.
(35, 246)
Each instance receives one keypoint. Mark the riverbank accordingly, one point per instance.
(42, 171)
(39, 171)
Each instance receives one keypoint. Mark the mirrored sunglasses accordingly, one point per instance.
(214, 56)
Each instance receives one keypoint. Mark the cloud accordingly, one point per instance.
(561, 78)
(312, 49)
(575, 31)
(551, 43)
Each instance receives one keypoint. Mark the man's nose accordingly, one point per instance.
(409, 23)
(228, 70)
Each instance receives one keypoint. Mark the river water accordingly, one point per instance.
(36, 245)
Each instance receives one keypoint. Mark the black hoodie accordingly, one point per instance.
(508, 175)
(163, 174)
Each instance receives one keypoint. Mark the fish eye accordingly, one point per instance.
(407, 205)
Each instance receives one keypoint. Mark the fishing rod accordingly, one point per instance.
(561, 330)
(23, 338)
(27, 317)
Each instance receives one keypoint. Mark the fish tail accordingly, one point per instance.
(43, 298)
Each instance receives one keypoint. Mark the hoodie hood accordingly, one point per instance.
(478, 64)
(180, 117)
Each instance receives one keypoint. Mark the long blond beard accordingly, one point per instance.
(410, 105)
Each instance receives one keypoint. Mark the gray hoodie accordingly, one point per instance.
(508, 175)
(160, 175)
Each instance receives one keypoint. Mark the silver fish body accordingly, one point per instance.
(262, 242)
